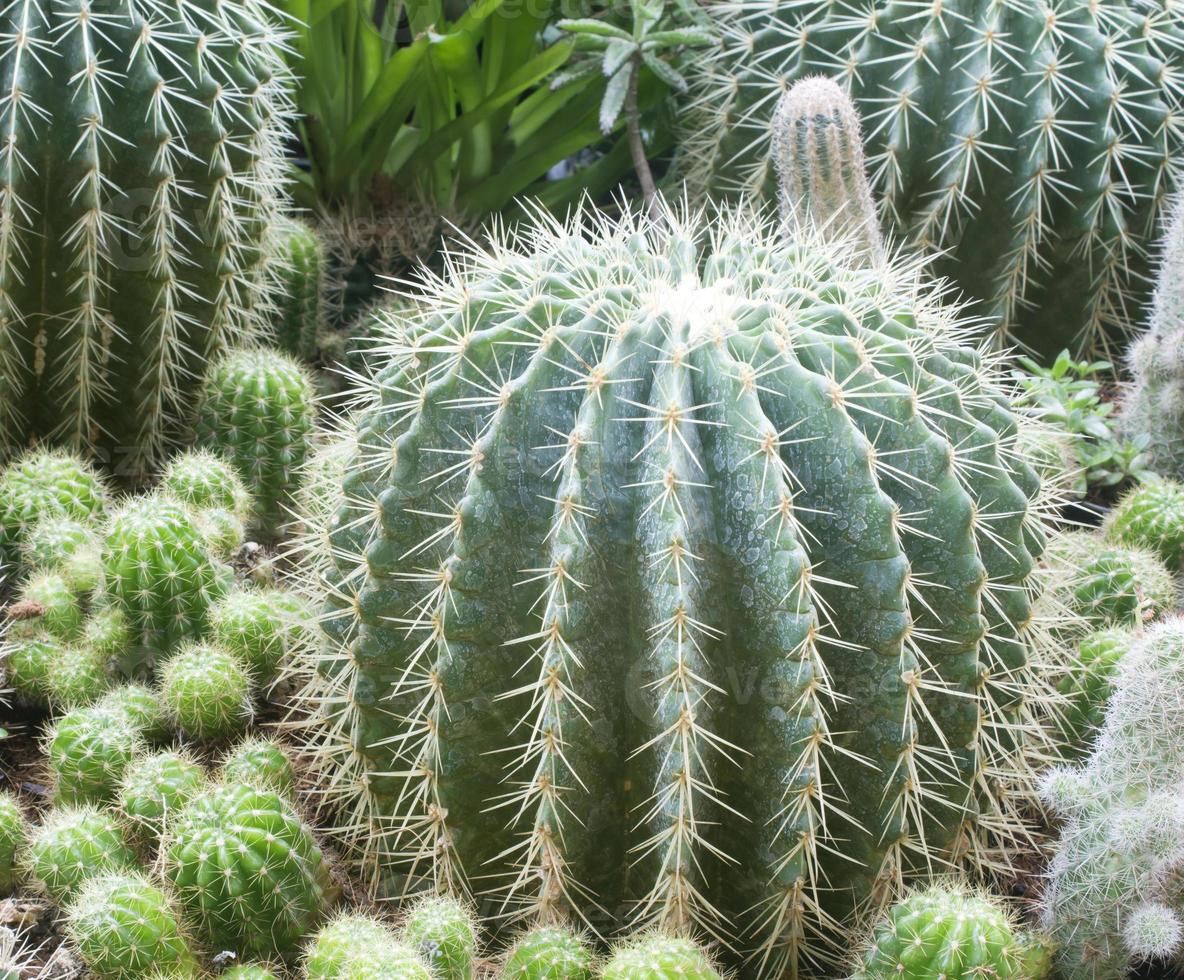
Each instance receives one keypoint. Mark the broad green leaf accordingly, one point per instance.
(614, 98)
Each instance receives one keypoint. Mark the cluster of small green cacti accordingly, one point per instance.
(212, 489)
(1030, 147)
(257, 409)
(951, 932)
(298, 275)
(150, 224)
(1111, 897)
(652, 461)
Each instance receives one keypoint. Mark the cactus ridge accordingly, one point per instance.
(1031, 144)
(260, 762)
(672, 438)
(155, 788)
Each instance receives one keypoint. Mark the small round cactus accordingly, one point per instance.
(659, 957)
(1152, 516)
(46, 483)
(205, 481)
(444, 934)
(89, 749)
(141, 707)
(106, 631)
(260, 762)
(217, 850)
(1088, 687)
(73, 844)
(549, 953)
(155, 788)
(257, 626)
(159, 569)
(46, 604)
(206, 692)
(258, 408)
(67, 546)
(1110, 583)
(76, 677)
(942, 932)
(356, 946)
(14, 835)
(27, 662)
(223, 530)
(124, 927)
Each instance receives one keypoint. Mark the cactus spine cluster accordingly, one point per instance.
(263, 763)
(74, 844)
(610, 469)
(258, 409)
(1031, 146)
(132, 252)
(1112, 896)
(298, 274)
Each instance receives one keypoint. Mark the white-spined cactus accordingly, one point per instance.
(692, 551)
(141, 166)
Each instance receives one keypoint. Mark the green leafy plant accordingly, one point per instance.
(1068, 395)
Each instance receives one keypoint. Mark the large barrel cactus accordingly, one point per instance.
(140, 167)
(683, 577)
(1031, 142)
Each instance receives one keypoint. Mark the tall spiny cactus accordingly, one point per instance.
(140, 167)
(298, 280)
(702, 526)
(1030, 145)
(1154, 405)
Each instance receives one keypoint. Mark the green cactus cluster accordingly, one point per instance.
(1109, 583)
(298, 270)
(659, 957)
(72, 845)
(1030, 147)
(140, 706)
(43, 484)
(549, 953)
(258, 409)
(66, 546)
(133, 253)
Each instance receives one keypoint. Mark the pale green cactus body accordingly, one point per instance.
(205, 481)
(89, 749)
(74, 844)
(14, 836)
(68, 546)
(141, 707)
(106, 631)
(260, 762)
(47, 604)
(1109, 583)
(155, 788)
(444, 934)
(298, 275)
(27, 663)
(258, 409)
(659, 957)
(124, 927)
(609, 471)
(549, 953)
(215, 853)
(206, 692)
(258, 626)
(353, 946)
(1030, 146)
(1152, 516)
(45, 483)
(133, 253)
(76, 677)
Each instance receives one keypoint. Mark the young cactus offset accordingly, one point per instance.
(258, 408)
(45, 483)
(1152, 516)
(78, 676)
(298, 277)
(444, 934)
(14, 835)
(259, 626)
(263, 763)
(549, 953)
(74, 844)
(659, 957)
(124, 927)
(27, 663)
(356, 946)
(610, 471)
(213, 856)
(140, 706)
(1087, 688)
(67, 546)
(206, 692)
(89, 748)
(948, 932)
(1110, 583)
(133, 253)
(1111, 898)
(154, 790)
(818, 154)
(204, 480)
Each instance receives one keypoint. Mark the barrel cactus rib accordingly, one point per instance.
(1029, 145)
(148, 260)
(776, 553)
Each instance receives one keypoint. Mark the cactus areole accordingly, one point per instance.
(682, 578)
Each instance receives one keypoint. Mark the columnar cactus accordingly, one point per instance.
(701, 526)
(298, 279)
(155, 788)
(206, 692)
(549, 953)
(355, 946)
(1029, 146)
(73, 844)
(263, 763)
(123, 926)
(1152, 516)
(133, 253)
(258, 409)
(88, 749)
(1111, 896)
(159, 571)
(45, 483)
(1110, 583)
(444, 934)
(214, 854)
(945, 932)
(659, 957)
(14, 834)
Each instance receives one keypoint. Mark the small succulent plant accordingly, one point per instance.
(444, 934)
(659, 957)
(549, 953)
(1152, 516)
(206, 692)
(73, 844)
(155, 788)
(89, 749)
(357, 946)
(260, 762)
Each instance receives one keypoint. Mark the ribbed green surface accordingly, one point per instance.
(666, 569)
(298, 275)
(73, 844)
(1032, 142)
(140, 170)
